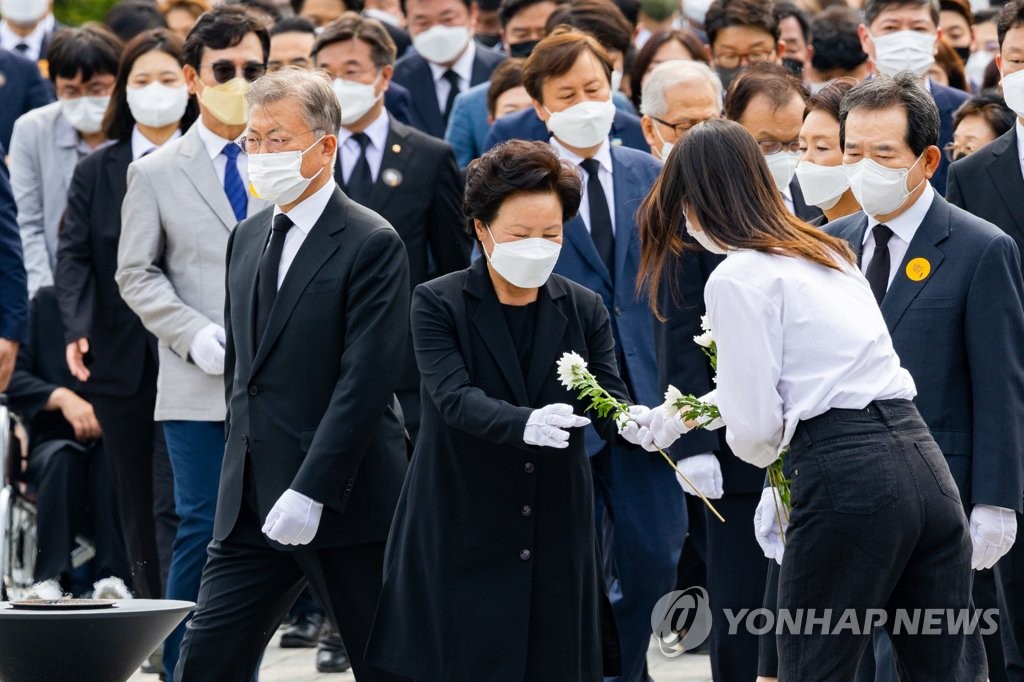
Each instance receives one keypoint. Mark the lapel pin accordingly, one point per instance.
(391, 177)
(396, 148)
(918, 269)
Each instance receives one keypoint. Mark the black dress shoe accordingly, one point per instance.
(331, 657)
(304, 633)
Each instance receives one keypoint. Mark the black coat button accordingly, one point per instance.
(525, 555)
(529, 467)
(527, 510)
(245, 439)
(253, 390)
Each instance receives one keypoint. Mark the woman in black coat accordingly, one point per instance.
(491, 571)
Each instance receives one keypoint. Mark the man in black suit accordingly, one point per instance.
(13, 281)
(316, 312)
(446, 60)
(408, 177)
(22, 89)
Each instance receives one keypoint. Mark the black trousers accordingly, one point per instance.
(143, 483)
(248, 587)
(877, 523)
(1009, 584)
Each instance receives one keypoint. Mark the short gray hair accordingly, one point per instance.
(310, 90)
(670, 74)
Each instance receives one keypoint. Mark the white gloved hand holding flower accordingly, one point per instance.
(547, 426)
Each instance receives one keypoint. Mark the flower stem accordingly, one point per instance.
(692, 486)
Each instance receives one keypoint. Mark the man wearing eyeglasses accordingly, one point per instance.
(181, 205)
(740, 33)
(677, 95)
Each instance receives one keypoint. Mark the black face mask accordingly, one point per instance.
(964, 52)
(795, 67)
(522, 49)
(726, 75)
(488, 39)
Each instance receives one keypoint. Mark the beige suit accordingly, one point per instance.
(176, 220)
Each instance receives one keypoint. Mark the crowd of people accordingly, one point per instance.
(283, 286)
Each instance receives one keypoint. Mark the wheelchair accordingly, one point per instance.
(18, 517)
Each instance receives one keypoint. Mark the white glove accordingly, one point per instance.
(661, 430)
(629, 426)
(712, 399)
(207, 349)
(766, 525)
(705, 472)
(547, 426)
(993, 530)
(293, 519)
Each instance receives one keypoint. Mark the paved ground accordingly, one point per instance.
(296, 665)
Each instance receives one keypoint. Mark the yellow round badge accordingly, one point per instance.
(918, 269)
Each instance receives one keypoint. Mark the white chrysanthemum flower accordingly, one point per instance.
(705, 324)
(110, 588)
(672, 395)
(705, 339)
(569, 367)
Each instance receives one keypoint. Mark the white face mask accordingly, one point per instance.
(616, 80)
(355, 98)
(381, 15)
(525, 263)
(879, 190)
(782, 166)
(904, 51)
(823, 186)
(1013, 92)
(666, 147)
(702, 238)
(583, 125)
(85, 113)
(974, 69)
(157, 105)
(278, 177)
(24, 11)
(441, 44)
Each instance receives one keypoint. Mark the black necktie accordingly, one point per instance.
(360, 181)
(453, 91)
(878, 269)
(22, 48)
(600, 218)
(266, 286)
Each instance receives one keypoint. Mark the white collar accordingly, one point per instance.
(34, 40)
(905, 224)
(141, 145)
(213, 142)
(306, 214)
(603, 155)
(377, 131)
(1020, 140)
(462, 66)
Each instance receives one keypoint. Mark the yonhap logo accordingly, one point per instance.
(681, 621)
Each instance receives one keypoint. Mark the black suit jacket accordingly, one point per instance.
(13, 281)
(801, 209)
(413, 72)
(22, 89)
(989, 183)
(959, 332)
(312, 407)
(90, 303)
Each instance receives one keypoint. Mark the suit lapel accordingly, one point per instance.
(903, 290)
(547, 341)
(624, 185)
(493, 329)
(397, 152)
(117, 161)
(198, 168)
(424, 97)
(577, 237)
(249, 265)
(316, 249)
(1005, 174)
(481, 72)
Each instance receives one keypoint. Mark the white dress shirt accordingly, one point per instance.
(463, 66)
(604, 174)
(214, 144)
(787, 199)
(377, 131)
(795, 339)
(141, 145)
(9, 40)
(904, 227)
(1020, 144)
(304, 216)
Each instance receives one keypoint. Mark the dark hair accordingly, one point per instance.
(129, 18)
(194, 7)
(991, 107)
(774, 81)
(508, 9)
(600, 18)
(1011, 16)
(507, 75)
(735, 201)
(518, 167)
(631, 10)
(784, 9)
(983, 16)
(830, 98)
(949, 61)
(222, 27)
(991, 78)
(90, 49)
(723, 14)
(904, 90)
(835, 40)
(961, 7)
(255, 6)
(293, 25)
(873, 8)
(402, 3)
(119, 121)
(352, 26)
(646, 55)
(556, 54)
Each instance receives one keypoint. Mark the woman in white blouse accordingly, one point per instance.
(806, 366)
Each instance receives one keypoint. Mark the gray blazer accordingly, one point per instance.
(176, 221)
(44, 153)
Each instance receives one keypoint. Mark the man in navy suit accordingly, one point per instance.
(641, 514)
(903, 35)
(950, 289)
(13, 287)
(22, 89)
(446, 60)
